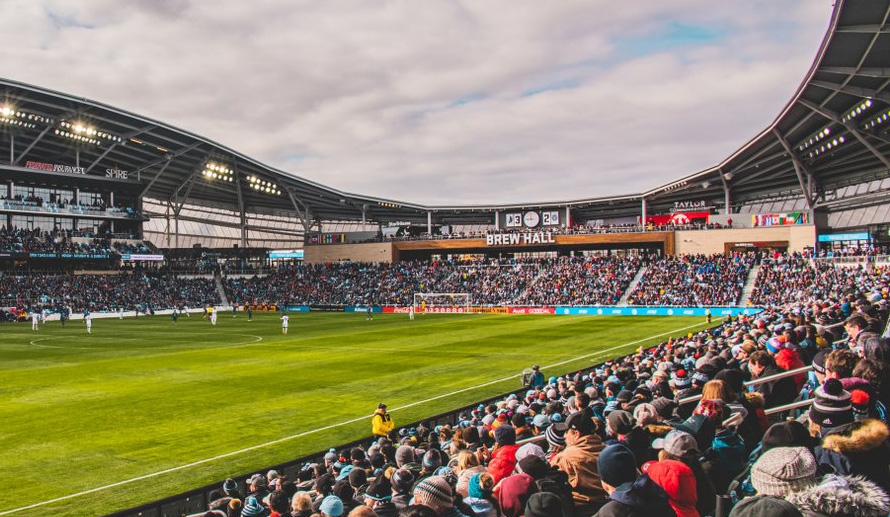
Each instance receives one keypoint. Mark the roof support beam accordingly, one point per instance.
(241, 212)
(852, 90)
(868, 71)
(304, 213)
(853, 130)
(28, 149)
(806, 184)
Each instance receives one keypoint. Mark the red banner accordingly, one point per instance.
(532, 310)
(679, 218)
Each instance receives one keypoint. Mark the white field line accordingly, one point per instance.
(319, 429)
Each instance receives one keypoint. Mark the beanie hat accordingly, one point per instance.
(617, 465)
(819, 361)
(664, 406)
(505, 435)
(434, 492)
(678, 481)
(330, 456)
(358, 477)
(252, 508)
(860, 400)
(431, 460)
(783, 470)
(620, 422)
(681, 378)
(529, 449)
(786, 434)
(404, 455)
(544, 504)
(556, 435)
(403, 479)
(380, 489)
(624, 396)
(331, 505)
(230, 487)
(534, 466)
(474, 487)
(831, 406)
(514, 493)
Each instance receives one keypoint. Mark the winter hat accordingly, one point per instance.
(403, 479)
(380, 489)
(678, 481)
(253, 508)
(529, 449)
(764, 506)
(819, 361)
(541, 421)
(432, 460)
(474, 487)
(505, 435)
(330, 456)
(664, 406)
(556, 435)
(435, 492)
(624, 396)
(620, 422)
(645, 414)
(790, 433)
(230, 487)
(404, 455)
(860, 400)
(681, 379)
(617, 465)
(544, 504)
(257, 480)
(831, 406)
(331, 505)
(358, 477)
(534, 466)
(514, 493)
(714, 410)
(783, 470)
(846, 495)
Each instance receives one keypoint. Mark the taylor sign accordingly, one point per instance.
(519, 239)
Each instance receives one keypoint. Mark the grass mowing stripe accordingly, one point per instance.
(331, 426)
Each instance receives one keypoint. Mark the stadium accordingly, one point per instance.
(188, 331)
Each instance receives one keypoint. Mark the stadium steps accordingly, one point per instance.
(749, 285)
(220, 289)
(523, 298)
(633, 285)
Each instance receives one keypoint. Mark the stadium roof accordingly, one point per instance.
(832, 134)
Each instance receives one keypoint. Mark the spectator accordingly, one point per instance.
(579, 462)
(629, 493)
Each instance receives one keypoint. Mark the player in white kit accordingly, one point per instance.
(35, 320)
(284, 319)
(88, 318)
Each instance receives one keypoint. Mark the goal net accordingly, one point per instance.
(441, 302)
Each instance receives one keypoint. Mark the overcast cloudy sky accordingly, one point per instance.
(435, 101)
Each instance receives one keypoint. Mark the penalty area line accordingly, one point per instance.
(324, 428)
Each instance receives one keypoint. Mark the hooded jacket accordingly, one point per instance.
(848, 496)
(860, 448)
(503, 462)
(579, 462)
(732, 458)
(641, 498)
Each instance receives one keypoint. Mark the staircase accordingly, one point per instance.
(749, 285)
(632, 286)
(221, 290)
(521, 299)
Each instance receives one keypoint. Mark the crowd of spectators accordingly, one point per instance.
(59, 204)
(20, 240)
(111, 292)
(694, 280)
(600, 280)
(669, 430)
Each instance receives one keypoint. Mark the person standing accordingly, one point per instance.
(708, 315)
(537, 378)
(88, 319)
(35, 320)
(213, 316)
(174, 315)
(284, 320)
(249, 312)
(381, 422)
(370, 313)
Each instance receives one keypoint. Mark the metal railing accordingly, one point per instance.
(755, 382)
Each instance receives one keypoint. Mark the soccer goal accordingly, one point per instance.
(439, 303)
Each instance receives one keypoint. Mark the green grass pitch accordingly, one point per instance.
(113, 419)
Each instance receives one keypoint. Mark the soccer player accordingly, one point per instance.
(370, 313)
(88, 319)
(63, 316)
(235, 310)
(284, 319)
(120, 313)
(249, 313)
(708, 315)
(212, 316)
(411, 313)
(174, 315)
(35, 320)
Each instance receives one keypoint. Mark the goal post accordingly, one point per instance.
(440, 303)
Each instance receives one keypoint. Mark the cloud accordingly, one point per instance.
(436, 102)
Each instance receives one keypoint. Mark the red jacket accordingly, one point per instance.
(503, 462)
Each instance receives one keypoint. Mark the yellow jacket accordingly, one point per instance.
(381, 423)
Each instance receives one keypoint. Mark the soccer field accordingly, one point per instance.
(142, 409)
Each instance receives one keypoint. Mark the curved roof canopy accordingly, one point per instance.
(833, 133)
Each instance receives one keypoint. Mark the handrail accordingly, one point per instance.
(755, 382)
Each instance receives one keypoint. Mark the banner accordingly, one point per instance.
(531, 310)
(656, 311)
(679, 218)
(296, 308)
(362, 308)
(132, 257)
(784, 219)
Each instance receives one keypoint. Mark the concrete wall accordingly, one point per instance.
(370, 252)
(714, 241)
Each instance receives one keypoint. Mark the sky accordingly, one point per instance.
(437, 102)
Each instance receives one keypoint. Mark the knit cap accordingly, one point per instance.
(617, 465)
(404, 455)
(435, 492)
(620, 422)
(252, 508)
(331, 505)
(530, 449)
(783, 470)
(556, 435)
(505, 435)
(544, 504)
(230, 487)
(681, 379)
(832, 406)
(645, 414)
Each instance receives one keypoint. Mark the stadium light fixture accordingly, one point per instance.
(82, 132)
(879, 119)
(12, 117)
(263, 185)
(218, 172)
(857, 110)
